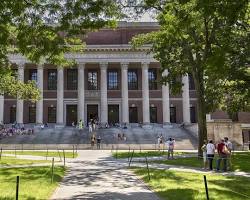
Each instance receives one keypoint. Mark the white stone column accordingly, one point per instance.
(145, 93)
(1, 108)
(81, 92)
(104, 97)
(124, 89)
(165, 100)
(19, 104)
(60, 91)
(185, 99)
(39, 103)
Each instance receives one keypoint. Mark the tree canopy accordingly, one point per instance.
(210, 40)
(44, 30)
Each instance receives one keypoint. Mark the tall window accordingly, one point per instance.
(113, 80)
(32, 114)
(191, 82)
(132, 79)
(153, 114)
(72, 79)
(92, 80)
(52, 79)
(133, 115)
(192, 114)
(12, 114)
(33, 75)
(152, 79)
(173, 114)
(51, 114)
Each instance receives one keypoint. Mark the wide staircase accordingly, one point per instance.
(137, 137)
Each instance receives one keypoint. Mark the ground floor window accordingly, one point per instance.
(192, 114)
(173, 114)
(153, 114)
(51, 114)
(32, 114)
(12, 114)
(113, 114)
(133, 115)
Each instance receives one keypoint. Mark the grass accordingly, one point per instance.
(35, 182)
(170, 184)
(144, 153)
(240, 161)
(43, 153)
(10, 160)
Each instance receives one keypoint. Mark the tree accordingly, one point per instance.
(44, 30)
(209, 39)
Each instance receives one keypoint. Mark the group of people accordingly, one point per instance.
(224, 149)
(8, 132)
(169, 144)
(94, 140)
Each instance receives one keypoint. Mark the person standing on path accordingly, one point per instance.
(204, 154)
(210, 149)
(98, 142)
(170, 145)
(221, 149)
(229, 146)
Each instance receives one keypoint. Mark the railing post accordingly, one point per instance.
(52, 170)
(17, 187)
(1, 153)
(205, 181)
(63, 157)
(73, 151)
(131, 158)
(147, 168)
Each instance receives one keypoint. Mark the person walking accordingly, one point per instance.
(98, 142)
(92, 141)
(80, 125)
(90, 127)
(210, 150)
(204, 154)
(221, 149)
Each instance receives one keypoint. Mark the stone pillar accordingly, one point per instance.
(104, 98)
(145, 94)
(59, 107)
(124, 89)
(165, 101)
(39, 103)
(19, 105)
(185, 99)
(81, 92)
(1, 108)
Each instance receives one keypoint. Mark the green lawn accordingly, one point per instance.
(43, 153)
(175, 185)
(240, 162)
(9, 160)
(35, 182)
(144, 153)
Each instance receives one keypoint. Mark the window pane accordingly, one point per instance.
(51, 114)
(52, 79)
(72, 79)
(113, 80)
(132, 80)
(92, 80)
(32, 114)
(33, 75)
(152, 79)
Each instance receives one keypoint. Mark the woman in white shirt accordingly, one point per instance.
(210, 153)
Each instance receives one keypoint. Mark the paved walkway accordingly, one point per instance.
(96, 175)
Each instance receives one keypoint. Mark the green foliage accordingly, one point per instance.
(208, 39)
(44, 30)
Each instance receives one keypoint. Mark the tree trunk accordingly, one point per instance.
(201, 109)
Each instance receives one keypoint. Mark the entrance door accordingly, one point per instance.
(92, 112)
(71, 114)
(113, 114)
(133, 115)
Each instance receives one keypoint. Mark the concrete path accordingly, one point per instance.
(96, 175)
